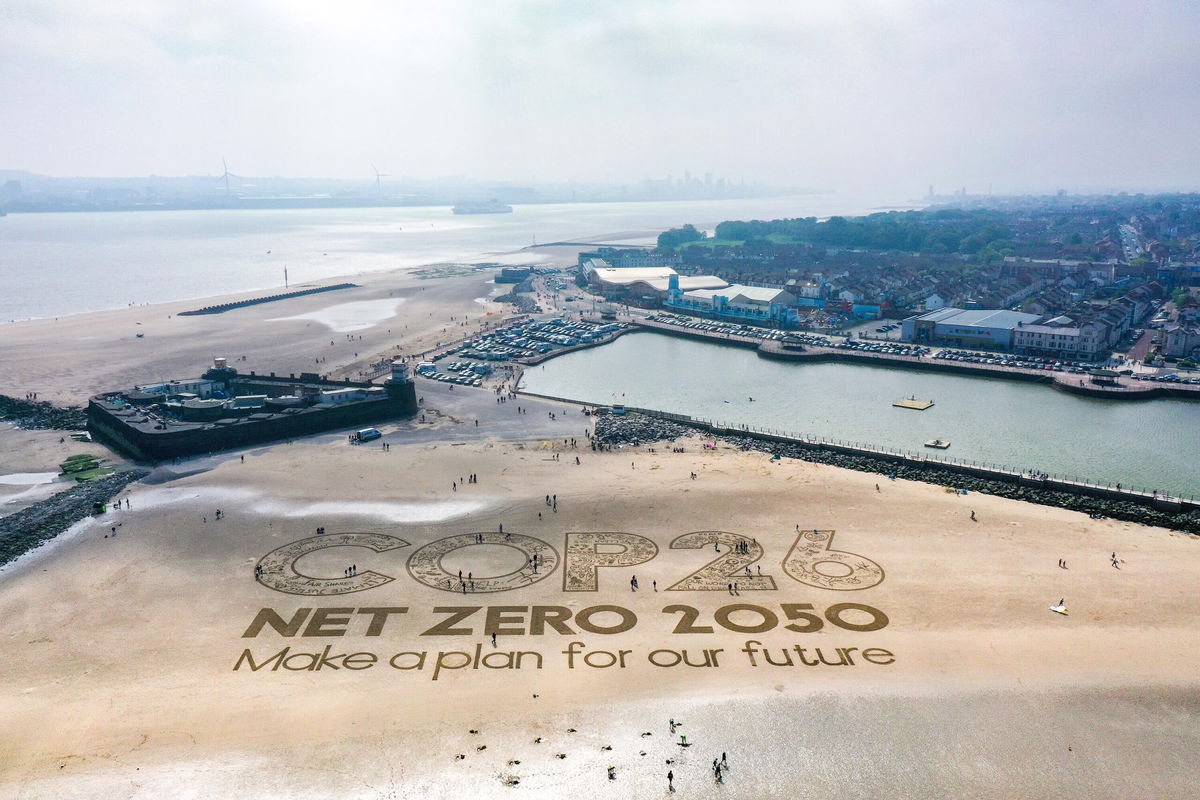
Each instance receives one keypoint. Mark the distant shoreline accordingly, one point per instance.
(303, 203)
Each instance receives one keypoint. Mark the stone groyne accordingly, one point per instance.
(41, 522)
(39, 415)
(254, 301)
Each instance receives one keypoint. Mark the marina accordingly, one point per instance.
(1015, 425)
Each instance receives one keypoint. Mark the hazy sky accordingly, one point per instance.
(888, 96)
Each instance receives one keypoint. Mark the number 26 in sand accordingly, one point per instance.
(811, 560)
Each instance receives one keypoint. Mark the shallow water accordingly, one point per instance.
(27, 478)
(347, 317)
(255, 502)
(58, 264)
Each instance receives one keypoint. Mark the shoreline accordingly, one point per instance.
(152, 623)
(504, 255)
(1172, 512)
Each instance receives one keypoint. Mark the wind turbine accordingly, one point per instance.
(378, 175)
(226, 175)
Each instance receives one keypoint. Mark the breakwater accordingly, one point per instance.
(40, 415)
(41, 522)
(254, 301)
(1176, 513)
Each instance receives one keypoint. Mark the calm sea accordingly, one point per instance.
(58, 264)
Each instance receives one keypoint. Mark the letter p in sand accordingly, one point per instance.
(587, 552)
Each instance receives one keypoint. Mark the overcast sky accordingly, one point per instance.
(874, 95)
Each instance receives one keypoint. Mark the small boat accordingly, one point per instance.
(937, 443)
(140, 335)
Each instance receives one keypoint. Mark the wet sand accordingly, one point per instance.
(119, 653)
(119, 678)
(67, 360)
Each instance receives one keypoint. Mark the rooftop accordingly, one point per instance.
(760, 294)
(689, 282)
(981, 318)
(627, 275)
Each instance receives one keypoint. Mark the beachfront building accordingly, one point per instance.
(657, 289)
(647, 286)
(988, 329)
(1182, 339)
(751, 305)
(1057, 337)
(607, 280)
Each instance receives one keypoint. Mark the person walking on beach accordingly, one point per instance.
(973, 519)
(671, 781)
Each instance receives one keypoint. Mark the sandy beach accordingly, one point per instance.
(134, 665)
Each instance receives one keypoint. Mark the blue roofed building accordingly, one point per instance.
(989, 329)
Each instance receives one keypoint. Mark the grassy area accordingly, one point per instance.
(776, 238)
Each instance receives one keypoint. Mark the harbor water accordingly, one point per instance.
(1151, 444)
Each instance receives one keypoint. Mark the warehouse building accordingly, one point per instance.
(989, 329)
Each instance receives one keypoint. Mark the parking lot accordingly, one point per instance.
(473, 360)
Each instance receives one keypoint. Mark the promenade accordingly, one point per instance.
(1122, 387)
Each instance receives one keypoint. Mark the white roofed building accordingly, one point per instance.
(755, 305)
(609, 278)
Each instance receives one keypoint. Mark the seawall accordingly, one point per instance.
(1064, 381)
(193, 439)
